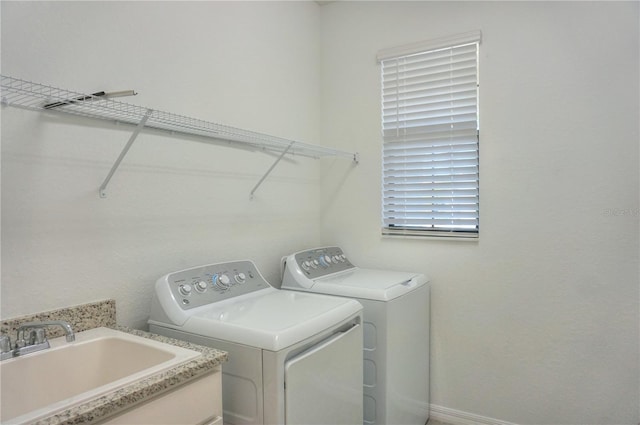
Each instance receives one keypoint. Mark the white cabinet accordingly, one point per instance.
(197, 402)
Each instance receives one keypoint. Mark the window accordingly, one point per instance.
(430, 131)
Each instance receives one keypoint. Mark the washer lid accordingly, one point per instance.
(271, 319)
(380, 285)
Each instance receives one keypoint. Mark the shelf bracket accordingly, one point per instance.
(284, 152)
(141, 124)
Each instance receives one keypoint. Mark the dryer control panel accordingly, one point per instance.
(319, 262)
(211, 283)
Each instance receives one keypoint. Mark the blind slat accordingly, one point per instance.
(431, 102)
(442, 221)
(422, 157)
(398, 188)
(435, 138)
(458, 79)
(440, 194)
(418, 122)
(430, 54)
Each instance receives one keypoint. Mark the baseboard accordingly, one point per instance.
(458, 417)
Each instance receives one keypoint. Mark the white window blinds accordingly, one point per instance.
(430, 142)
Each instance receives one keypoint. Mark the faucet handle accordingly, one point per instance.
(5, 343)
(40, 336)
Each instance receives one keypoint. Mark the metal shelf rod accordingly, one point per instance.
(270, 169)
(103, 187)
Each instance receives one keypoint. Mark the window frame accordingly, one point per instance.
(429, 228)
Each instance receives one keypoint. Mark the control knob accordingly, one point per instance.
(185, 289)
(222, 281)
(240, 277)
(201, 286)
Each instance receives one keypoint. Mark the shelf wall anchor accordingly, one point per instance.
(141, 124)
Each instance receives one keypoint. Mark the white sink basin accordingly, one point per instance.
(67, 374)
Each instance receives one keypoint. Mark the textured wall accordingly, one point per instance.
(174, 203)
(537, 322)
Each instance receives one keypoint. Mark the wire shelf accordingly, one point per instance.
(39, 97)
(26, 94)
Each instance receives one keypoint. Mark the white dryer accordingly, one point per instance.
(396, 329)
(293, 358)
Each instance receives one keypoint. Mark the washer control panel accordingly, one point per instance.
(320, 262)
(214, 282)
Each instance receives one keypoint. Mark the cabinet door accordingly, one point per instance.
(194, 403)
(323, 385)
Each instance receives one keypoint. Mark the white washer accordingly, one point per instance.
(293, 358)
(396, 329)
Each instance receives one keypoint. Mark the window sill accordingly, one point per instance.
(426, 235)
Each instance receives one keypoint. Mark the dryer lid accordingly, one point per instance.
(272, 319)
(380, 285)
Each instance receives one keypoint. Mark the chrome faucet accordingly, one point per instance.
(68, 331)
(31, 337)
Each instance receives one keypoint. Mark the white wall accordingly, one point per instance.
(537, 322)
(173, 203)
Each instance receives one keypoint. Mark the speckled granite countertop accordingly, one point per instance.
(102, 407)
